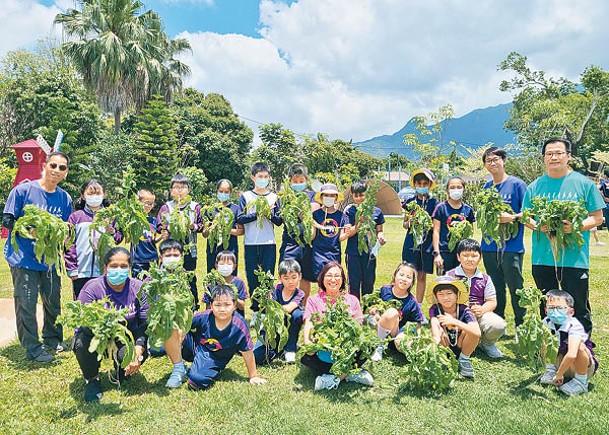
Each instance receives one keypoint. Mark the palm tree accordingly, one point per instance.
(121, 52)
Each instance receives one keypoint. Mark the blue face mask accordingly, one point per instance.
(422, 190)
(558, 316)
(223, 196)
(117, 276)
(262, 182)
(299, 187)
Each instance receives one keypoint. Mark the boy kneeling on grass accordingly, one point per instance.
(575, 359)
(216, 336)
(453, 324)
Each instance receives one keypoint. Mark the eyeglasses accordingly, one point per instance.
(148, 204)
(180, 187)
(55, 166)
(558, 154)
(491, 161)
(333, 276)
(556, 307)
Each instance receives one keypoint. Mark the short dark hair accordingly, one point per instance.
(222, 181)
(259, 167)
(182, 179)
(80, 203)
(57, 153)
(563, 295)
(359, 186)
(288, 266)
(494, 151)
(115, 251)
(322, 274)
(223, 290)
(169, 244)
(298, 169)
(565, 142)
(469, 245)
(226, 255)
(420, 177)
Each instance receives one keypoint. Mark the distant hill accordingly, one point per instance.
(472, 130)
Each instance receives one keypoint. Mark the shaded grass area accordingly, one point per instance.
(504, 398)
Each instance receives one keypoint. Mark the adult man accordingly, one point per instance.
(604, 188)
(30, 276)
(571, 272)
(504, 263)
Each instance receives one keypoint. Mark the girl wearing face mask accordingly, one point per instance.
(226, 263)
(446, 213)
(82, 262)
(122, 291)
(224, 189)
(329, 228)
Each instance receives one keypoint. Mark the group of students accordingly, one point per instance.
(221, 330)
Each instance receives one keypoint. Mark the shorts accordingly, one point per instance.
(421, 260)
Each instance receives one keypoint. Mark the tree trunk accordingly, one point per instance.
(117, 121)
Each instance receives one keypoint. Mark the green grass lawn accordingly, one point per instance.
(504, 398)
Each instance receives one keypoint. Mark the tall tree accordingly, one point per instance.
(278, 149)
(122, 53)
(429, 142)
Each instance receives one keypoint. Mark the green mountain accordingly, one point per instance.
(472, 130)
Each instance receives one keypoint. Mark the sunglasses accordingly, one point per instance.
(61, 167)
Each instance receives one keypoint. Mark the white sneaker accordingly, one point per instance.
(255, 317)
(289, 357)
(363, 377)
(600, 244)
(491, 350)
(548, 376)
(378, 354)
(326, 382)
(574, 387)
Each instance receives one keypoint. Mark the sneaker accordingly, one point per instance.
(93, 391)
(600, 244)
(378, 354)
(466, 369)
(548, 377)
(363, 377)
(58, 348)
(424, 321)
(491, 350)
(43, 357)
(574, 387)
(289, 357)
(255, 317)
(177, 377)
(326, 382)
(516, 338)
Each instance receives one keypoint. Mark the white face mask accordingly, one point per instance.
(456, 194)
(171, 263)
(225, 269)
(328, 201)
(94, 200)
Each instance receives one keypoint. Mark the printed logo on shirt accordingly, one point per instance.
(146, 236)
(454, 218)
(211, 343)
(584, 276)
(330, 228)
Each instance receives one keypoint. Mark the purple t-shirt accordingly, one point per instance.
(57, 203)
(447, 215)
(221, 344)
(512, 192)
(98, 289)
(466, 315)
(352, 242)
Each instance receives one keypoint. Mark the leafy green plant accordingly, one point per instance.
(273, 321)
(213, 279)
(420, 223)
(296, 214)
(219, 222)
(170, 302)
(550, 214)
(179, 220)
(107, 324)
(458, 231)
(262, 208)
(490, 207)
(50, 233)
(337, 332)
(536, 343)
(373, 301)
(432, 367)
(366, 236)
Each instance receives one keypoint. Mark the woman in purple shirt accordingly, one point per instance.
(116, 285)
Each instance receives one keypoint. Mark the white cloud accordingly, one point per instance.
(23, 22)
(361, 69)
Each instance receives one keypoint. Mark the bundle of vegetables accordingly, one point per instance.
(419, 223)
(366, 236)
(458, 231)
(296, 214)
(262, 209)
(343, 336)
(127, 215)
(551, 214)
(272, 322)
(432, 367)
(219, 222)
(179, 220)
(372, 302)
(107, 324)
(50, 233)
(536, 343)
(170, 302)
(213, 279)
(490, 207)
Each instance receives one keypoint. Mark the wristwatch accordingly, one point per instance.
(140, 358)
(435, 253)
